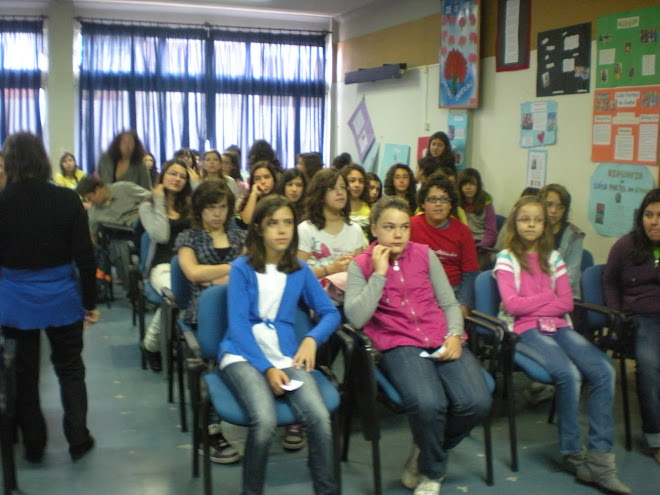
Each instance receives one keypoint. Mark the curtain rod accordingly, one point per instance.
(206, 25)
(23, 17)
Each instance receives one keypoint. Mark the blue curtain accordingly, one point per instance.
(200, 87)
(22, 99)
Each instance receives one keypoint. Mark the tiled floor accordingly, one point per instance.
(141, 450)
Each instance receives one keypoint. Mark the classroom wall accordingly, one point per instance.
(404, 109)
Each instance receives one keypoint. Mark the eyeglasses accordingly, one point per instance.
(445, 200)
(337, 189)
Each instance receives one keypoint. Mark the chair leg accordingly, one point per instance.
(553, 408)
(141, 323)
(205, 442)
(347, 420)
(513, 437)
(336, 439)
(375, 455)
(8, 461)
(488, 444)
(626, 404)
(182, 388)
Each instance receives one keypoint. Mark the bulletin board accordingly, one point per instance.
(628, 48)
(625, 125)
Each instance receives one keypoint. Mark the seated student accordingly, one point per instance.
(231, 167)
(259, 353)
(328, 238)
(205, 253)
(439, 148)
(450, 239)
(263, 179)
(114, 203)
(567, 236)
(631, 284)
(3, 176)
(531, 278)
(341, 160)
(163, 217)
(400, 181)
(293, 185)
(375, 188)
(358, 195)
(69, 174)
(528, 191)
(212, 170)
(478, 205)
(123, 161)
(262, 151)
(399, 294)
(149, 161)
(189, 158)
(309, 164)
(426, 167)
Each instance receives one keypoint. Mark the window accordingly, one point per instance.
(202, 88)
(22, 57)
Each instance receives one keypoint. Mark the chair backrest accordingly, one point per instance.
(486, 294)
(213, 320)
(500, 219)
(145, 240)
(592, 292)
(587, 260)
(180, 285)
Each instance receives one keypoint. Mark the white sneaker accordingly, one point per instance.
(427, 486)
(410, 476)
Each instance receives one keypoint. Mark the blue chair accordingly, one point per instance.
(368, 386)
(175, 302)
(208, 388)
(610, 330)
(500, 219)
(587, 260)
(487, 304)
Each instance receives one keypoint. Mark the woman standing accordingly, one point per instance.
(40, 288)
(124, 161)
(632, 284)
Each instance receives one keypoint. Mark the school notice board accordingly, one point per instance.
(625, 125)
(628, 49)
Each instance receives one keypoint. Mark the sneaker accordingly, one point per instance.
(221, 451)
(572, 462)
(410, 476)
(77, 452)
(293, 438)
(427, 486)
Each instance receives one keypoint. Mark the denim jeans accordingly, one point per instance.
(254, 394)
(444, 400)
(568, 357)
(66, 345)
(647, 356)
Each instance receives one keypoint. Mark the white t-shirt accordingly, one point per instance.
(325, 248)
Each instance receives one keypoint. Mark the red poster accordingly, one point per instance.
(626, 125)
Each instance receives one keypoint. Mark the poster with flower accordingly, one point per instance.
(459, 54)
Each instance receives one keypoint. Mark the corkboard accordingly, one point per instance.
(417, 43)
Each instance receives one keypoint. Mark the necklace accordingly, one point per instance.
(396, 266)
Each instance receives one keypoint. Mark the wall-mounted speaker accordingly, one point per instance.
(387, 71)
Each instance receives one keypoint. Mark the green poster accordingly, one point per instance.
(627, 48)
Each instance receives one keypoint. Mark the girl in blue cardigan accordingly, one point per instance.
(260, 355)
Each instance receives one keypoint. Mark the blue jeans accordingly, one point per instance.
(568, 357)
(647, 356)
(444, 400)
(254, 394)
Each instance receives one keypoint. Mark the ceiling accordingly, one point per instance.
(320, 8)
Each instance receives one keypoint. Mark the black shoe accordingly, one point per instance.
(153, 359)
(34, 457)
(78, 451)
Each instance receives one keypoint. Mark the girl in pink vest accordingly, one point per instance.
(399, 294)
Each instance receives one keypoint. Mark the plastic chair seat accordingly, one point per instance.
(535, 371)
(229, 409)
(150, 293)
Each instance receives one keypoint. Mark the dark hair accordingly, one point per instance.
(447, 157)
(256, 250)
(25, 158)
(288, 175)
(204, 174)
(512, 242)
(358, 168)
(262, 164)
(410, 192)
(530, 191)
(182, 198)
(472, 175)
(153, 171)
(371, 176)
(440, 181)
(428, 165)
(341, 160)
(315, 203)
(209, 193)
(67, 154)
(235, 172)
(114, 152)
(89, 184)
(313, 163)
(235, 149)
(260, 151)
(182, 152)
(564, 197)
(385, 203)
(642, 246)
